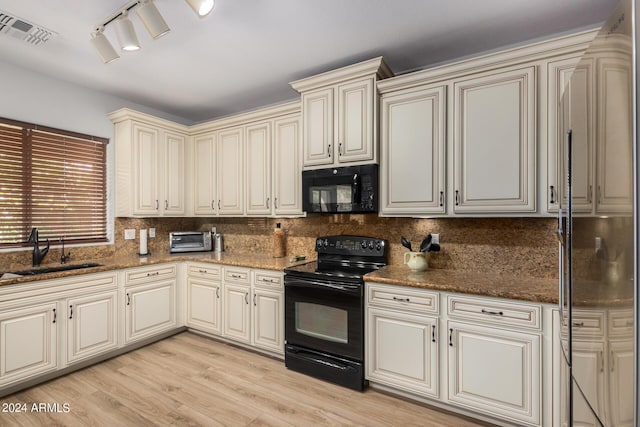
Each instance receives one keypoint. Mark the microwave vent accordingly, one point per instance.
(21, 29)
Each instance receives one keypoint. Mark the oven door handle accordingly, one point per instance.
(316, 358)
(353, 289)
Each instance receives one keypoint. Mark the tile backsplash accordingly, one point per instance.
(518, 246)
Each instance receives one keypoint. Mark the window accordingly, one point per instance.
(54, 180)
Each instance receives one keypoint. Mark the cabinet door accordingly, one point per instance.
(258, 167)
(570, 107)
(588, 366)
(145, 173)
(355, 113)
(495, 371)
(151, 309)
(317, 127)
(237, 312)
(28, 339)
(413, 148)
(494, 142)
(621, 382)
(268, 316)
(287, 176)
(615, 147)
(204, 305)
(174, 184)
(402, 351)
(230, 172)
(205, 198)
(91, 325)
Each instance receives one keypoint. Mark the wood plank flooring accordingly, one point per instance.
(189, 380)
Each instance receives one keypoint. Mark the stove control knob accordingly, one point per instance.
(371, 245)
(378, 246)
(364, 244)
(326, 243)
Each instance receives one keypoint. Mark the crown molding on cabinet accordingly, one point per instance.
(375, 66)
(123, 114)
(532, 52)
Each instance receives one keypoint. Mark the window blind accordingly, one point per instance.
(51, 179)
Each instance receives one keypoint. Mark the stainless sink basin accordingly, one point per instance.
(35, 271)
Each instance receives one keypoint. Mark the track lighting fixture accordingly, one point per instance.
(150, 17)
(126, 33)
(103, 47)
(201, 7)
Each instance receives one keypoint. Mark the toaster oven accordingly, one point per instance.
(190, 241)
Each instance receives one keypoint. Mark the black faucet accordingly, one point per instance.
(64, 257)
(38, 254)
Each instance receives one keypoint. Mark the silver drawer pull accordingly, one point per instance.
(401, 299)
(157, 273)
(270, 280)
(236, 276)
(578, 324)
(202, 271)
(493, 313)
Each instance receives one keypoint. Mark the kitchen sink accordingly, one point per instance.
(35, 271)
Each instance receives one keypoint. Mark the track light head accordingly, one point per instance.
(126, 33)
(201, 7)
(104, 49)
(151, 18)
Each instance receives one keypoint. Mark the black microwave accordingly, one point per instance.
(351, 189)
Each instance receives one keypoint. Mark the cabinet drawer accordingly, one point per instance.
(587, 323)
(237, 275)
(490, 310)
(149, 274)
(208, 271)
(268, 279)
(401, 297)
(620, 322)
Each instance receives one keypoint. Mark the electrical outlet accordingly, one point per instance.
(130, 234)
(598, 244)
(435, 238)
(152, 232)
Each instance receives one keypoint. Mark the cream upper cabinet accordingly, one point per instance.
(494, 150)
(412, 160)
(339, 115)
(205, 177)
(230, 169)
(151, 155)
(258, 167)
(570, 107)
(287, 175)
(614, 191)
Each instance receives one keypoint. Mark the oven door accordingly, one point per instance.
(325, 316)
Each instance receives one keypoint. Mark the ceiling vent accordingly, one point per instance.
(24, 30)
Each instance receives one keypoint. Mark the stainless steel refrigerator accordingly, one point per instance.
(598, 229)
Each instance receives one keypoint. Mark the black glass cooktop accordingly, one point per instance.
(331, 271)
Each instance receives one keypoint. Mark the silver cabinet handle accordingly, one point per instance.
(236, 276)
(218, 293)
(254, 300)
(55, 315)
(246, 298)
(155, 273)
(202, 271)
(590, 195)
(157, 204)
(433, 333)
(128, 299)
(552, 194)
(268, 207)
(329, 150)
(442, 198)
(450, 337)
(70, 311)
(275, 202)
(340, 149)
(578, 324)
(218, 204)
(601, 362)
(166, 205)
(401, 299)
(493, 313)
(457, 198)
(599, 194)
(213, 206)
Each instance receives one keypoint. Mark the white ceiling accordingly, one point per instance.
(244, 54)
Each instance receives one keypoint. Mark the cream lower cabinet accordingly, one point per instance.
(495, 371)
(92, 325)
(236, 308)
(150, 301)
(29, 341)
(267, 312)
(204, 297)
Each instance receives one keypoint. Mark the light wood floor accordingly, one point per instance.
(189, 380)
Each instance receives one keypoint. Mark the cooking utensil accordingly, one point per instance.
(433, 247)
(406, 243)
(426, 242)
